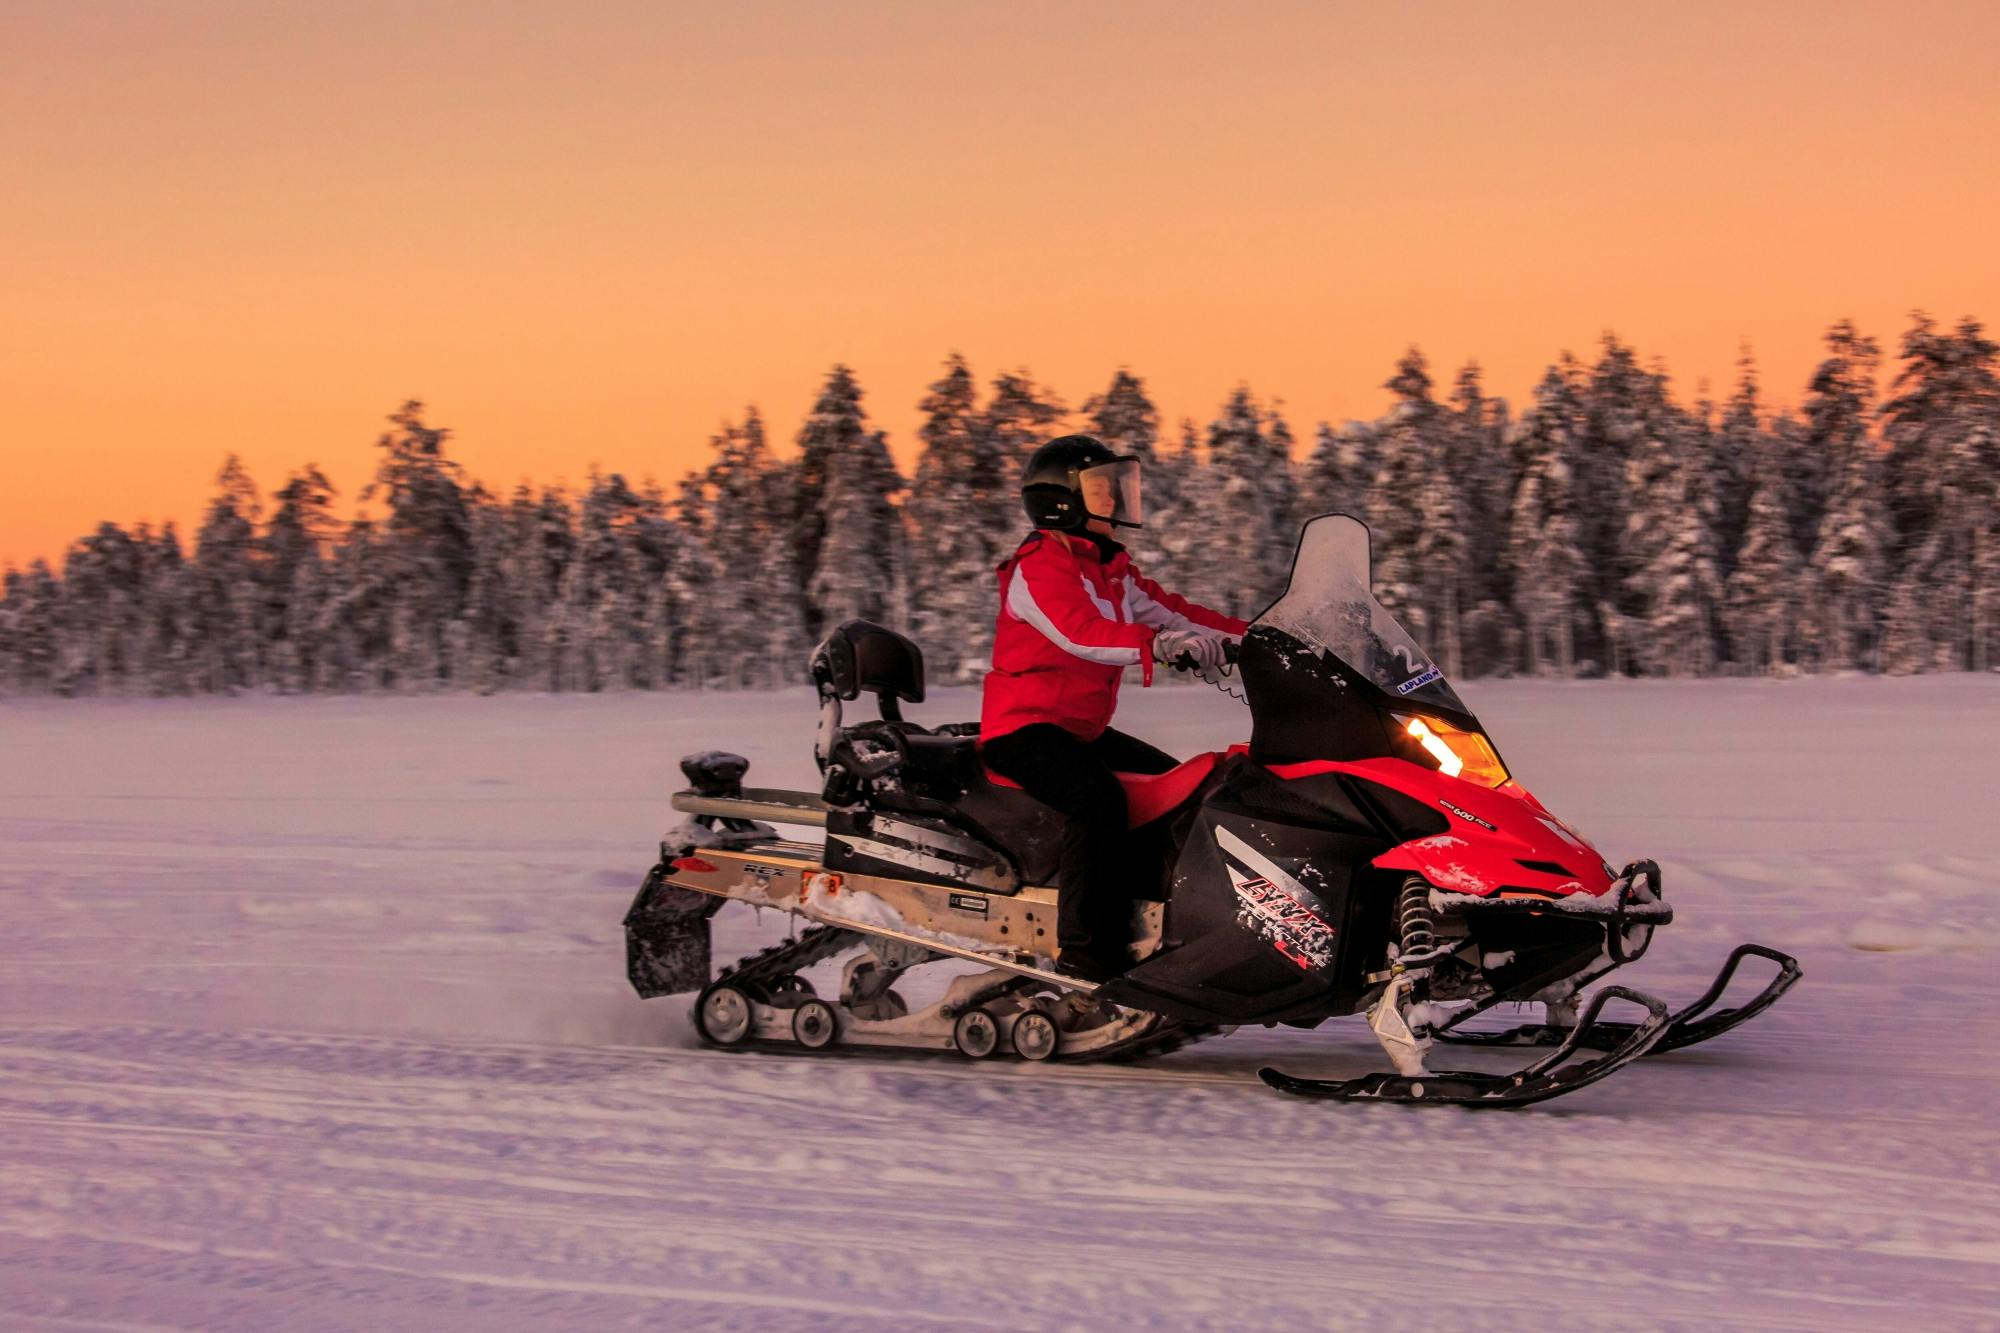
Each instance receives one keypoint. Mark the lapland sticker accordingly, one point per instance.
(1418, 681)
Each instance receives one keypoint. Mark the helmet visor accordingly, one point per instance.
(1111, 492)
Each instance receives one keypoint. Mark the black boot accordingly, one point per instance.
(1089, 965)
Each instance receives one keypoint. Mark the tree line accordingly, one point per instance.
(1606, 528)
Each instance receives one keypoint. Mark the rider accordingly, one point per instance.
(1074, 613)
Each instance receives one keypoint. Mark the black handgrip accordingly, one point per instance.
(1186, 662)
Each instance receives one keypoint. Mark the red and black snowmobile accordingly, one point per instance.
(1366, 852)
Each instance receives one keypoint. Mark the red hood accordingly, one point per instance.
(1492, 832)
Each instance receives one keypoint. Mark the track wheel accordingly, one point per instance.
(1035, 1035)
(815, 1025)
(722, 1017)
(976, 1034)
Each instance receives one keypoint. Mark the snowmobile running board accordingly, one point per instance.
(1692, 1024)
(1550, 1076)
(765, 803)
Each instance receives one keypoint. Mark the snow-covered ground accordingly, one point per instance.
(312, 1015)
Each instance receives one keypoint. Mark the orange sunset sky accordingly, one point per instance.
(589, 232)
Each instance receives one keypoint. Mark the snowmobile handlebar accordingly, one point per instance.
(1186, 661)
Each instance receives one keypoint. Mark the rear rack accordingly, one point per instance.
(766, 803)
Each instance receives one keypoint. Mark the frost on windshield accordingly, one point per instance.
(1328, 606)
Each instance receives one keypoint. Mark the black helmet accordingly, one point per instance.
(1076, 478)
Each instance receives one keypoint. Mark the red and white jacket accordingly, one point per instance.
(1071, 621)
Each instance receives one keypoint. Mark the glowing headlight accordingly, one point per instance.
(1459, 753)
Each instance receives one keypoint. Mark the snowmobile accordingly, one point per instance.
(1366, 851)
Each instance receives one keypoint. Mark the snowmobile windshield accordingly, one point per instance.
(1111, 492)
(1328, 606)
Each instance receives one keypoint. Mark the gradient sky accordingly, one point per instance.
(589, 232)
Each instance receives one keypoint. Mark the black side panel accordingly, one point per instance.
(1406, 816)
(1273, 915)
(666, 936)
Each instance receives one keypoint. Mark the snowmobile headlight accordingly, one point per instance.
(1459, 753)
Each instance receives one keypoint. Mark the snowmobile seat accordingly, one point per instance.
(1149, 796)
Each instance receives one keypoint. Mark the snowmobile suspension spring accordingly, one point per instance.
(1414, 923)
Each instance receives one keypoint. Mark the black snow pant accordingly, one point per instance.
(1059, 769)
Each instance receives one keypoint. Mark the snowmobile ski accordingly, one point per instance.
(1551, 1076)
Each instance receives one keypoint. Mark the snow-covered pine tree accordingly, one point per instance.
(751, 602)
(1947, 380)
(628, 592)
(1246, 530)
(1681, 588)
(13, 600)
(1621, 404)
(1848, 558)
(169, 642)
(225, 563)
(1175, 505)
(1481, 464)
(704, 659)
(1736, 450)
(487, 654)
(673, 570)
(1939, 474)
(426, 541)
(355, 632)
(1337, 477)
(33, 624)
(955, 526)
(1285, 455)
(1673, 591)
(615, 583)
(861, 557)
(864, 570)
(1978, 455)
(100, 604)
(1764, 594)
(1545, 536)
(1124, 417)
(1401, 533)
(1020, 417)
(294, 544)
(540, 539)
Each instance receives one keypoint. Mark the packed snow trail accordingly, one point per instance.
(312, 1015)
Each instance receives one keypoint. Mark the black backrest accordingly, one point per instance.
(861, 657)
